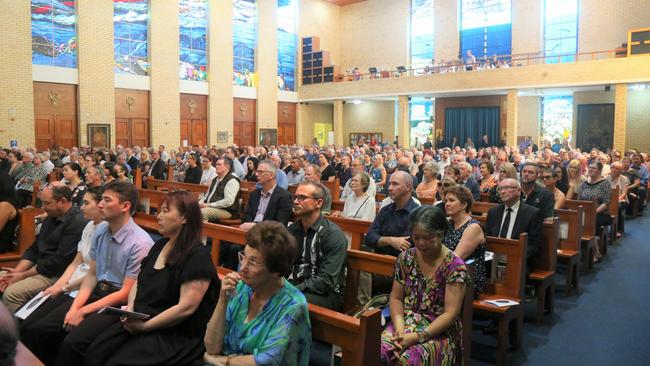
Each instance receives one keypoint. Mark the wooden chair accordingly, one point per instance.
(588, 222)
(510, 319)
(542, 273)
(568, 251)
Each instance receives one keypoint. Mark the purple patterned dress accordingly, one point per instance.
(424, 301)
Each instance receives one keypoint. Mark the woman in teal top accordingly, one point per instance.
(261, 319)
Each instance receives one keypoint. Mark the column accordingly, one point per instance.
(220, 54)
(337, 122)
(17, 92)
(512, 117)
(403, 124)
(620, 116)
(446, 31)
(165, 84)
(95, 60)
(266, 63)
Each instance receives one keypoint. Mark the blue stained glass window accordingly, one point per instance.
(486, 28)
(560, 30)
(130, 21)
(421, 33)
(193, 52)
(421, 120)
(244, 42)
(557, 118)
(54, 33)
(287, 44)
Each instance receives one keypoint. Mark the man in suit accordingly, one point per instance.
(269, 202)
(513, 217)
(132, 161)
(157, 169)
(466, 179)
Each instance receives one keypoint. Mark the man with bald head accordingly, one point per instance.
(404, 165)
(513, 217)
(389, 232)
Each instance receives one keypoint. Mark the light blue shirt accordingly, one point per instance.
(281, 178)
(118, 256)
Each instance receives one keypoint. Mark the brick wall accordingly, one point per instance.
(638, 120)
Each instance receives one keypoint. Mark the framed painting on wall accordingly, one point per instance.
(99, 135)
(365, 137)
(268, 136)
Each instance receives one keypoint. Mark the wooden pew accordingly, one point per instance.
(588, 222)
(613, 212)
(357, 228)
(568, 251)
(170, 186)
(137, 177)
(334, 187)
(170, 172)
(26, 236)
(481, 208)
(542, 273)
(511, 288)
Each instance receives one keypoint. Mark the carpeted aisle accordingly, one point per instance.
(606, 324)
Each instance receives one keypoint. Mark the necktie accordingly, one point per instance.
(506, 223)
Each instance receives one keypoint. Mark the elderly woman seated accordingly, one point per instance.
(261, 318)
(426, 299)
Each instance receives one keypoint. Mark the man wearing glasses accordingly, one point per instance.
(513, 217)
(221, 201)
(270, 201)
(322, 249)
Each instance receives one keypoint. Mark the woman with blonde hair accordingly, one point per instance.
(575, 177)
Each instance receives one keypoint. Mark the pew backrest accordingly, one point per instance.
(514, 277)
(570, 223)
(481, 208)
(357, 229)
(613, 201)
(170, 186)
(588, 220)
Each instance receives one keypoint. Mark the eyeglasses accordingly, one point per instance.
(244, 260)
(503, 188)
(547, 177)
(301, 198)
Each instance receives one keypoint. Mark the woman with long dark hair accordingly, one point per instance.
(177, 286)
(74, 179)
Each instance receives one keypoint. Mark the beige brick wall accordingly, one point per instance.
(165, 94)
(95, 62)
(322, 19)
(369, 116)
(512, 111)
(17, 92)
(603, 24)
(220, 53)
(638, 120)
(620, 116)
(374, 33)
(528, 114)
(266, 63)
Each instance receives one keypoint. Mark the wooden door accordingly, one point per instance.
(44, 126)
(199, 132)
(122, 129)
(244, 121)
(140, 132)
(66, 131)
(186, 132)
(286, 123)
(286, 134)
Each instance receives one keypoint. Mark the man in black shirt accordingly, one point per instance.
(193, 173)
(534, 194)
(322, 248)
(48, 257)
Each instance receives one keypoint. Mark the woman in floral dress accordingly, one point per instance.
(426, 298)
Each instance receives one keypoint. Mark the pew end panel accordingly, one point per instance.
(569, 248)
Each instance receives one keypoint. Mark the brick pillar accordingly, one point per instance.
(403, 124)
(620, 116)
(165, 84)
(338, 122)
(220, 54)
(95, 59)
(266, 63)
(511, 119)
(17, 91)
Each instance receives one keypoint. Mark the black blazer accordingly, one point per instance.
(278, 209)
(133, 163)
(158, 169)
(529, 220)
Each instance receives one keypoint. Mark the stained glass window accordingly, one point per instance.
(130, 21)
(193, 19)
(560, 30)
(421, 33)
(287, 44)
(244, 42)
(557, 118)
(486, 28)
(54, 33)
(421, 120)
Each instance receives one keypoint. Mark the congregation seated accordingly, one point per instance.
(9, 217)
(60, 331)
(74, 179)
(550, 178)
(426, 297)
(270, 201)
(27, 172)
(358, 167)
(428, 187)
(261, 318)
(208, 172)
(535, 194)
(221, 200)
(177, 287)
(464, 235)
(48, 257)
(319, 267)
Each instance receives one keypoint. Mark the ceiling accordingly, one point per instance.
(344, 2)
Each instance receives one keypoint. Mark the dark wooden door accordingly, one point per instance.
(199, 132)
(55, 112)
(286, 123)
(186, 132)
(244, 122)
(44, 125)
(140, 131)
(122, 128)
(132, 117)
(194, 119)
